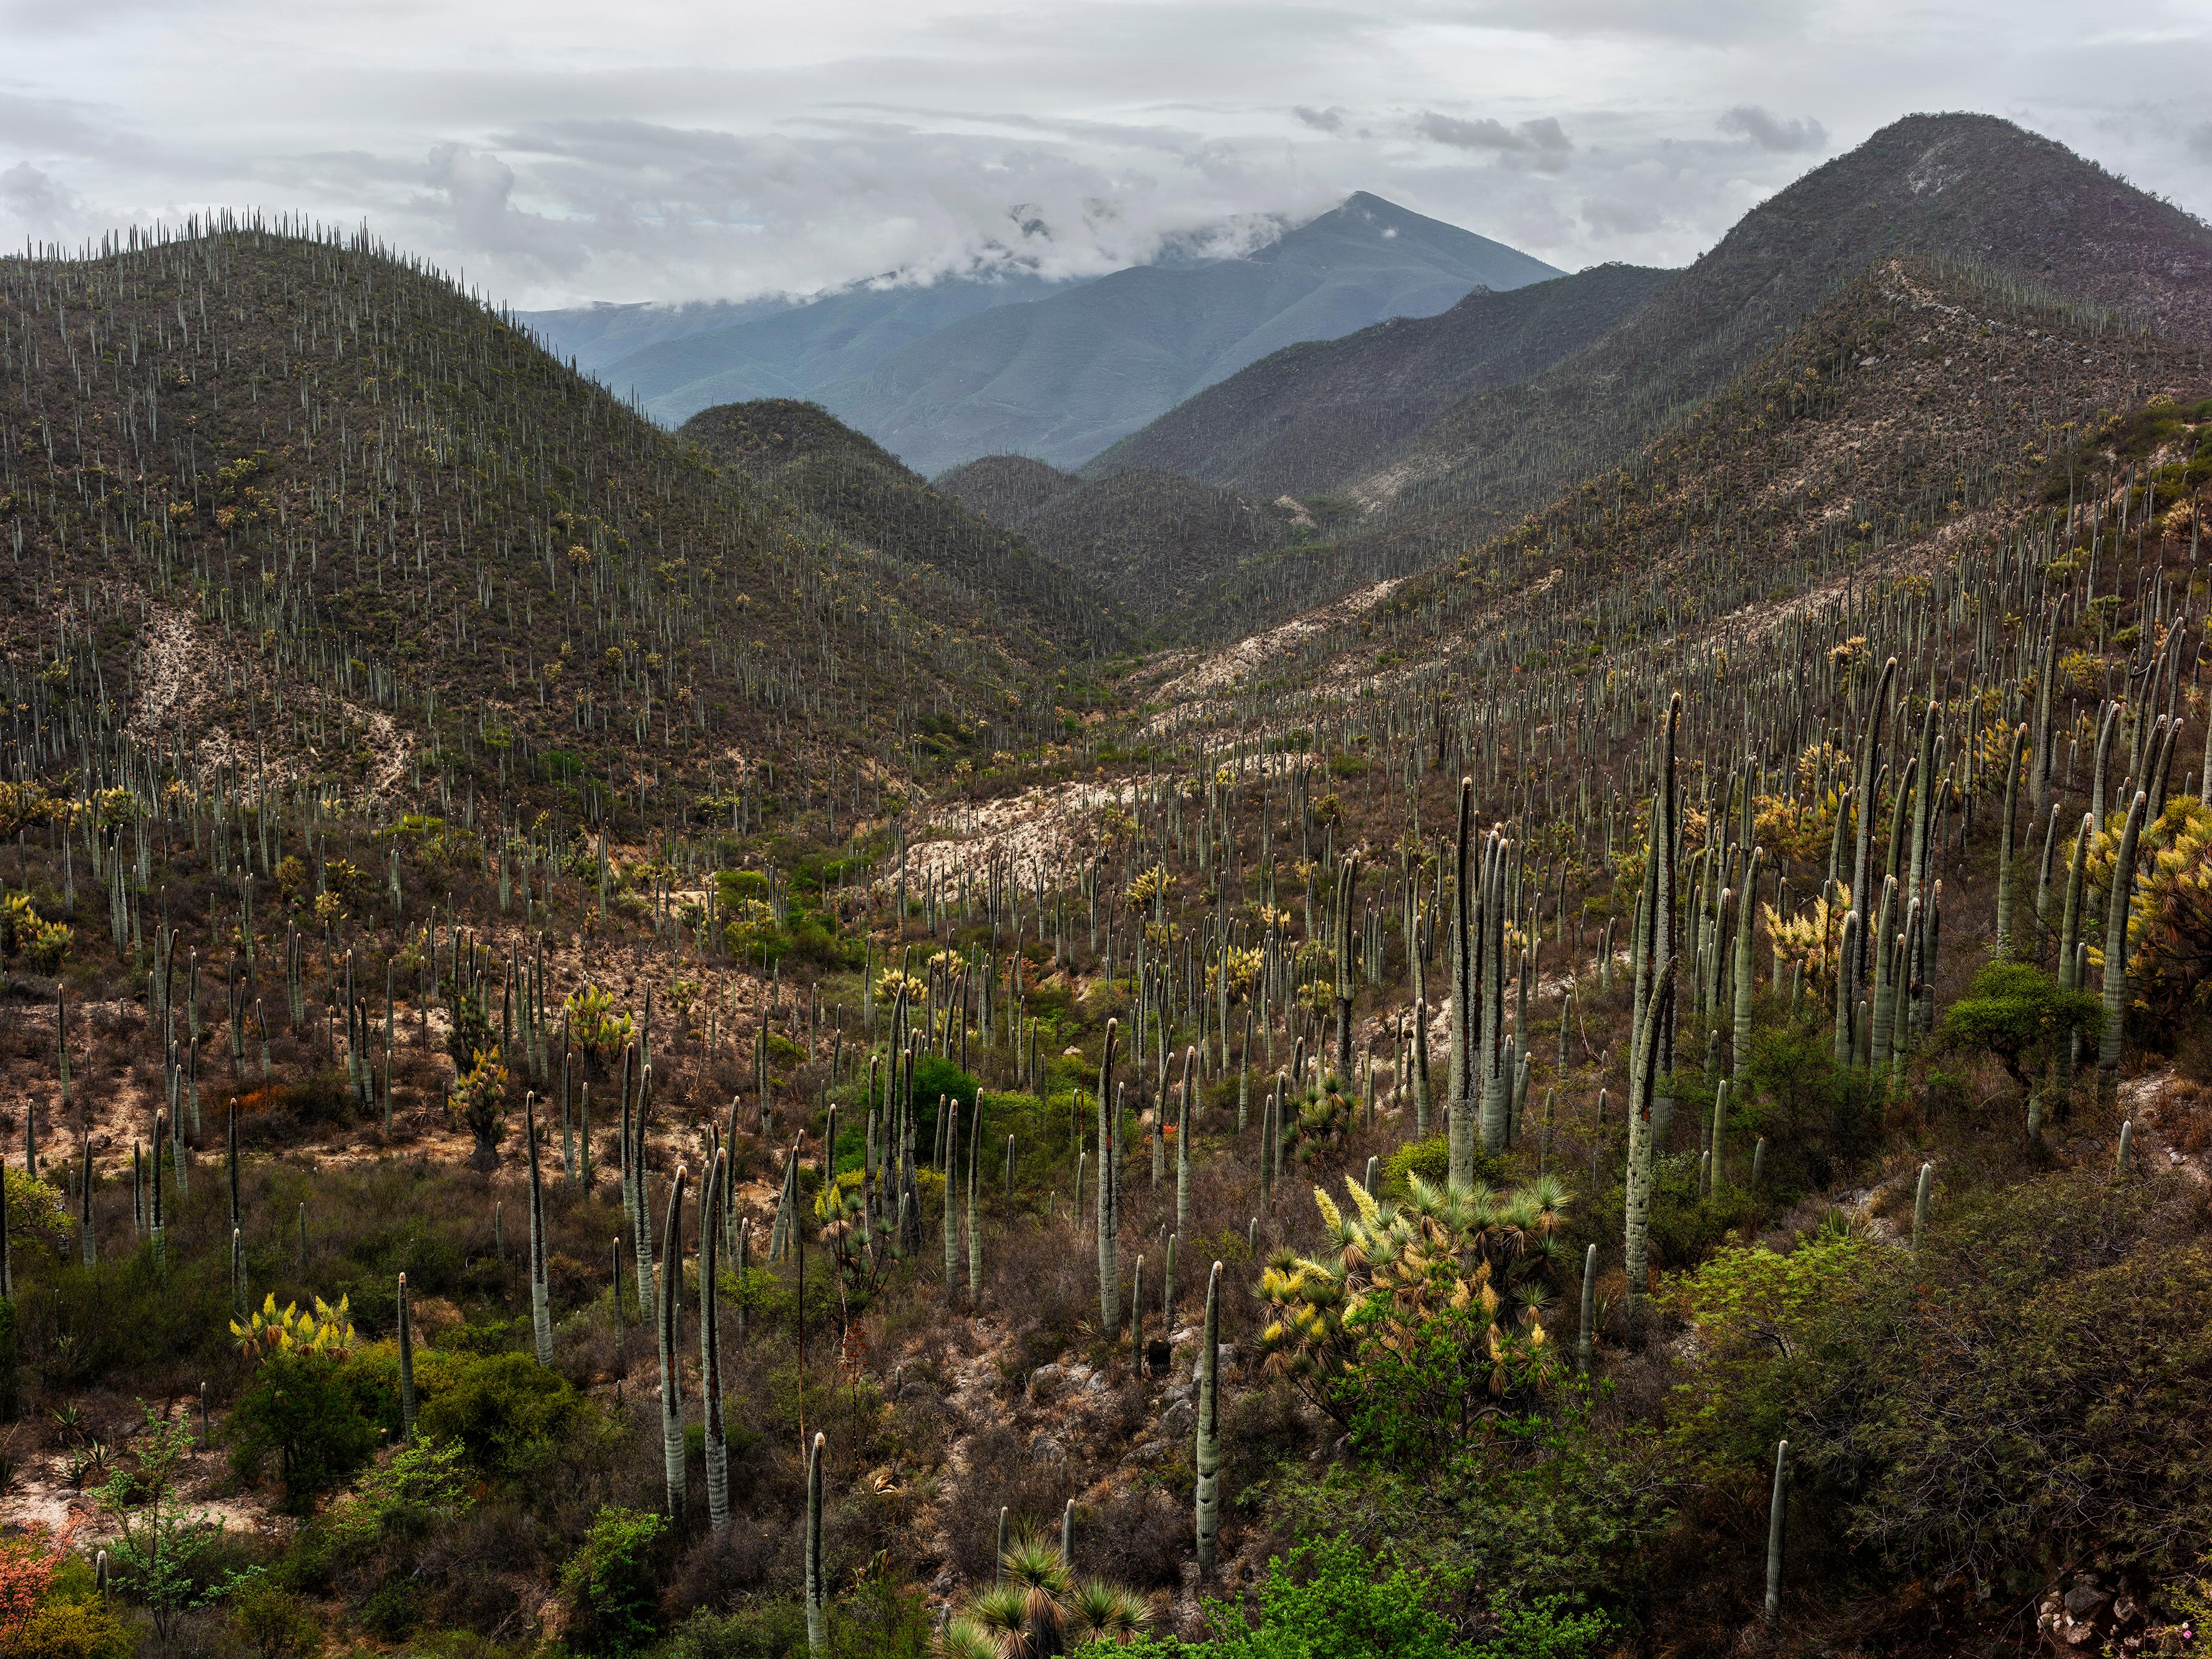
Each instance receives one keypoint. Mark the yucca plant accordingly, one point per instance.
(1039, 1609)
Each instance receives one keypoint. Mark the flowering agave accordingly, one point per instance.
(327, 1331)
(1392, 1275)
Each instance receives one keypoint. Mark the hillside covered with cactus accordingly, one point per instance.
(619, 1044)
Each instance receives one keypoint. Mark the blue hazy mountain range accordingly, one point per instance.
(942, 372)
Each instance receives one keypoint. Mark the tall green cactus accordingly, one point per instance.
(817, 1588)
(541, 1303)
(1183, 1144)
(672, 1378)
(948, 1112)
(1877, 711)
(1208, 1499)
(1340, 914)
(2116, 949)
(1666, 838)
(1459, 1103)
(1110, 1268)
(1777, 1517)
(88, 1234)
(2013, 751)
(1641, 1138)
(1584, 1340)
(1746, 914)
(406, 1363)
(711, 1205)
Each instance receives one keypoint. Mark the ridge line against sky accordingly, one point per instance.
(560, 152)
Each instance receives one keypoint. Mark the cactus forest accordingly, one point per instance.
(610, 1051)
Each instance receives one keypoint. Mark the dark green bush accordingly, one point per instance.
(509, 1414)
(611, 1582)
(316, 1414)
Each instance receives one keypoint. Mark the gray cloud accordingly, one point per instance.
(676, 153)
(38, 202)
(1545, 135)
(1770, 132)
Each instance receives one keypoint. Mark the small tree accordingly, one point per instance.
(609, 1582)
(305, 1409)
(480, 1100)
(2018, 1014)
(160, 1541)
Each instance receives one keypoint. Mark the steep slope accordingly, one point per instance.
(1910, 421)
(1064, 377)
(1968, 189)
(850, 483)
(266, 469)
(1004, 488)
(1157, 542)
(1313, 416)
(678, 361)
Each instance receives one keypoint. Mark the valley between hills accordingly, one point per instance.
(1509, 965)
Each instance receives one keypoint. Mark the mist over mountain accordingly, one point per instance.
(943, 371)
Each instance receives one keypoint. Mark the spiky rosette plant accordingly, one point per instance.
(1420, 1320)
(1039, 1609)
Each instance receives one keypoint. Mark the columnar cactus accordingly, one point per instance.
(1348, 882)
(406, 1363)
(88, 1235)
(1208, 1499)
(1110, 1271)
(1920, 1204)
(2013, 753)
(1584, 1340)
(1459, 1103)
(1641, 1138)
(710, 1342)
(948, 1112)
(1183, 1144)
(818, 1624)
(1776, 1516)
(541, 1302)
(2116, 948)
(672, 1379)
(1747, 913)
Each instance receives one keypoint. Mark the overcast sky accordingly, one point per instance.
(639, 149)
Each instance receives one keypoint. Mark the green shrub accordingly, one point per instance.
(2006, 1401)
(74, 1630)
(933, 1076)
(609, 1582)
(1336, 1600)
(507, 1412)
(274, 1623)
(315, 1412)
(1430, 1159)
